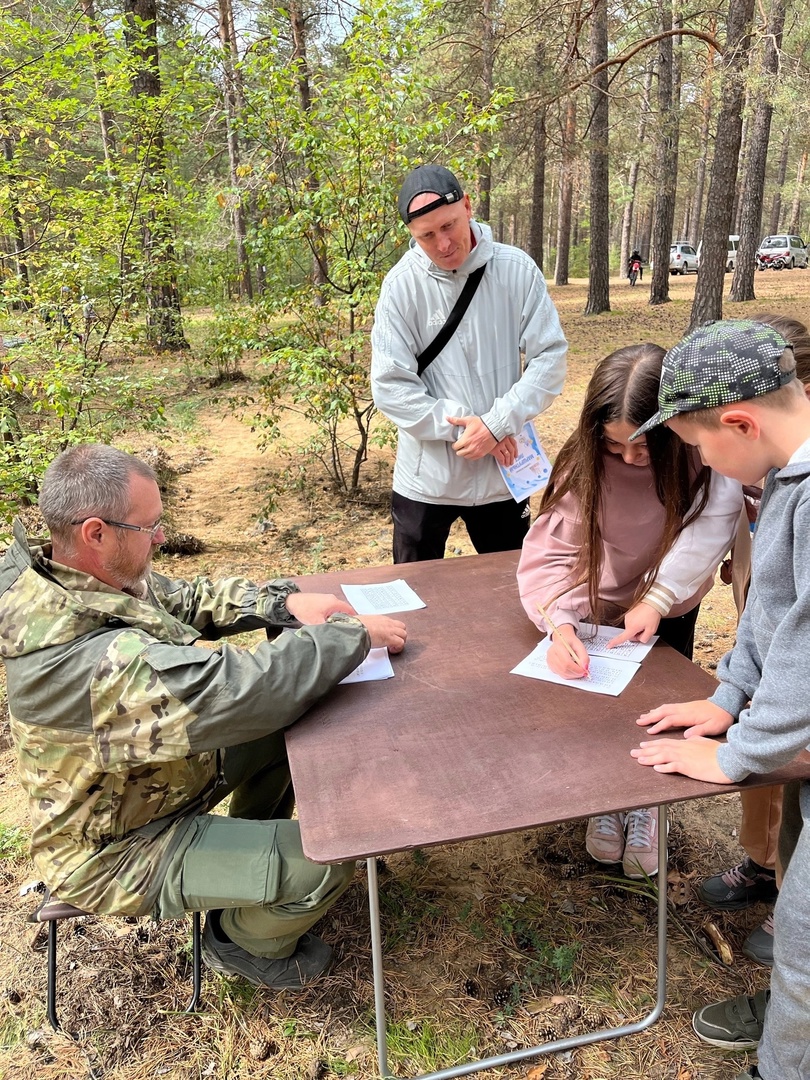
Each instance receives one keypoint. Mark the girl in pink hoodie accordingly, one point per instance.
(629, 533)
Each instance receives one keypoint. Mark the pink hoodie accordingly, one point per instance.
(631, 523)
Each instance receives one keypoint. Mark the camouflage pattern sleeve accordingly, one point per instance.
(226, 606)
(182, 699)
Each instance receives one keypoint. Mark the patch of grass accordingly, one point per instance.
(424, 1045)
(13, 1030)
(184, 415)
(13, 842)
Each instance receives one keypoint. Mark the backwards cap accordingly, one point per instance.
(428, 178)
(719, 364)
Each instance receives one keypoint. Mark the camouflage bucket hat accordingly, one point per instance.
(719, 364)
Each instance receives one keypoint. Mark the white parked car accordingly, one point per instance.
(782, 252)
(682, 258)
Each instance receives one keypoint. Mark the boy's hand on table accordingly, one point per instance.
(385, 632)
(640, 623)
(696, 757)
(698, 717)
(559, 659)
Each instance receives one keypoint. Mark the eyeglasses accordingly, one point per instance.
(153, 530)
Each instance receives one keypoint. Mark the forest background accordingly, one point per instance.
(197, 207)
(243, 156)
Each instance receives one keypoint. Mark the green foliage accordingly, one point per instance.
(52, 394)
(231, 333)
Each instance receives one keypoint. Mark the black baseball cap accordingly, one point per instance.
(424, 179)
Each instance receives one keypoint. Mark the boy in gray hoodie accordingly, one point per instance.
(730, 389)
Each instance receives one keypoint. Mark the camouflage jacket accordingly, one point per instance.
(117, 717)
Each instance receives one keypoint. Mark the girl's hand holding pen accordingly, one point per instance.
(567, 656)
(564, 645)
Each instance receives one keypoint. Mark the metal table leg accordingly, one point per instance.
(557, 1045)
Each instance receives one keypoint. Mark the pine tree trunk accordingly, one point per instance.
(164, 322)
(776, 205)
(708, 302)
(227, 37)
(666, 160)
(703, 142)
(599, 248)
(566, 193)
(742, 285)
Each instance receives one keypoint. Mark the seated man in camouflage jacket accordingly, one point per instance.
(127, 734)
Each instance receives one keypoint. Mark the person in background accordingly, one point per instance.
(503, 364)
(627, 533)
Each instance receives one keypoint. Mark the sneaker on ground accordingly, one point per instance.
(312, 957)
(739, 887)
(733, 1024)
(641, 843)
(604, 838)
(759, 943)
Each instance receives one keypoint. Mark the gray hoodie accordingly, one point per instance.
(480, 372)
(768, 666)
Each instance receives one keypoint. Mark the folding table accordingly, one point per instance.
(454, 747)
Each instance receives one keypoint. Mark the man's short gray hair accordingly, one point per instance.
(85, 481)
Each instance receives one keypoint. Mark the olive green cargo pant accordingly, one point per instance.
(251, 864)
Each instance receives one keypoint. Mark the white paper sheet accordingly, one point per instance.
(610, 670)
(383, 599)
(375, 667)
(595, 639)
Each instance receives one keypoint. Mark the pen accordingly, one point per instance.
(555, 630)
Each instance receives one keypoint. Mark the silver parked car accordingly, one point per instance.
(782, 252)
(682, 258)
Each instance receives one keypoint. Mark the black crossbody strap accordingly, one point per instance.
(428, 355)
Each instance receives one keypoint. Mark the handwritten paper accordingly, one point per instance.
(383, 599)
(610, 670)
(530, 470)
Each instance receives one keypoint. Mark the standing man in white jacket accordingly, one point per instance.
(504, 364)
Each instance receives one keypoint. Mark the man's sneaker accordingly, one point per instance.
(733, 1024)
(641, 843)
(604, 838)
(737, 888)
(312, 957)
(759, 943)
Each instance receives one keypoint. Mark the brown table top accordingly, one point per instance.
(455, 747)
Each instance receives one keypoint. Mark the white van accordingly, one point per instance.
(731, 253)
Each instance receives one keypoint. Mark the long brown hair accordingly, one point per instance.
(796, 334)
(624, 387)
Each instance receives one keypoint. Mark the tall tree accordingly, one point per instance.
(599, 248)
(708, 302)
(742, 285)
(776, 204)
(666, 159)
(164, 321)
(233, 110)
(539, 139)
(632, 176)
(565, 199)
